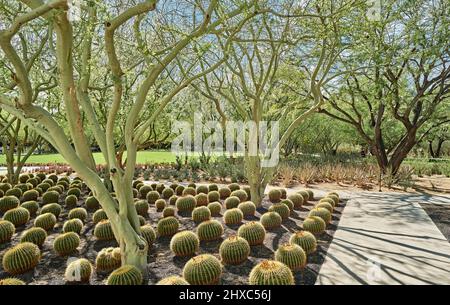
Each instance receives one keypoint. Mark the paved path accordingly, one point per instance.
(387, 238)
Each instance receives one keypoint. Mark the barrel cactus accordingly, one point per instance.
(248, 208)
(2, 193)
(79, 213)
(281, 209)
(34, 235)
(142, 207)
(203, 269)
(179, 190)
(21, 258)
(296, 199)
(160, 188)
(201, 199)
(224, 192)
(271, 220)
(31, 195)
(167, 226)
(50, 197)
(57, 188)
(233, 216)
(305, 196)
(234, 187)
(328, 200)
(92, 203)
(210, 230)
(253, 232)
(202, 189)
(232, 202)
(99, 215)
(46, 221)
(4, 186)
(234, 250)
(79, 270)
(18, 216)
(11, 281)
(53, 208)
(215, 208)
(8, 203)
(7, 230)
(271, 273)
(314, 224)
(73, 225)
(144, 190)
(160, 204)
(334, 197)
(310, 194)
(322, 213)
(173, 200)
(289, 204)
(189, 191)
(275, 195)
(66, 243)
(103, 230)
(305, 240)
(167, 193)
(173, 280)
(71, 202)
(283, 193)
(125, 275)
(16, 192)
(108, 259)
(186, 203)
(213, 196)
(168, 211)
(184, 243)
(200, 214)
(152, 196)
(291, 255)
(149, 234)
(241, 194)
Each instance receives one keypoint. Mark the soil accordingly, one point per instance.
(161, 261)
(440, 214)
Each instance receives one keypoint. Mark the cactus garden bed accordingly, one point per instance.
(162, 261)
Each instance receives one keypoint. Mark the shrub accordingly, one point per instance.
(322, 213)
(152, 196)
(53, 208)
(8, 203)
(184, 243)
(92, 203)
(232, 202)
(71, 202)
(99, 215)
(186, 204)
(233, 216)
(291, 255)
(18, 216)
(296, 199)
(271, 273)
(168, 211)
(167, 226)
(210, 230)
(289, 204)
(149, 235)
(79, 270)
(253, 232)
(66, 243)
(224, 193)
(103, 230)
(275, 195)
(200, 214)
(202, 189)
(201, 199)
(79, 213)
(234, 250)
(142, 207)
(271, 220)
(203, 269)
(50, 197)
(305, 240)
(189, 191)
(73, 225)
(281, 209)
(7, 230)
(173, 280)
(45, 221)
(108, 259)
(160, 204)
(125, 275)
(21, 258)
(35, 235)
(31, 195)
(215, 208)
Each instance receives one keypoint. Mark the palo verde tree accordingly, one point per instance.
(145, 38)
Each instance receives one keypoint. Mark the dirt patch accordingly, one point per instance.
(440, 214)
(161, 261)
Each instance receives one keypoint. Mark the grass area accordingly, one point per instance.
(143, 157)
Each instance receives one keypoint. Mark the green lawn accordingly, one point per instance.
(143, 157)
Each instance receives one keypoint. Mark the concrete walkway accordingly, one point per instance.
(387, 238)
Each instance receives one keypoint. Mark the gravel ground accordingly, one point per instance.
(440, 214)
(161, 261)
